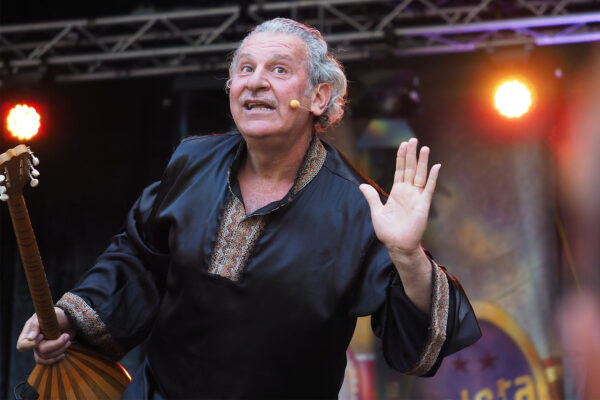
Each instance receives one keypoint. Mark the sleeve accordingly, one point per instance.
(115, 303)
(415, 342)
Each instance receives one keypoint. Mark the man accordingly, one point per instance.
(247, 265)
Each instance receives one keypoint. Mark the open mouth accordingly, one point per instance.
(258, 106)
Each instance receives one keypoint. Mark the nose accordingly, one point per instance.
(257, 80)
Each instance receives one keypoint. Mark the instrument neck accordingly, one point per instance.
(34, 269)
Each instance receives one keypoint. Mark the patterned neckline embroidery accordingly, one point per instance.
(238, 233)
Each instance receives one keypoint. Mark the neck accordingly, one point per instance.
(274, 162)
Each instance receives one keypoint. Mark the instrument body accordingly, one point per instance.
(82, 373)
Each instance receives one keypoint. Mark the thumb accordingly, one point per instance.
(30, 335)
(372, 197)
(34, 328)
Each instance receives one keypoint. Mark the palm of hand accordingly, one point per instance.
(401, 222)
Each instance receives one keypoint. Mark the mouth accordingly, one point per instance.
(258, 105)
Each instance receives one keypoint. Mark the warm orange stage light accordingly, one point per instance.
(512, 99)
(23, 122)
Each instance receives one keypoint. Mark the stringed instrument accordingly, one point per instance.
(83, 373)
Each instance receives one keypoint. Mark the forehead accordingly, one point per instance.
(269, 43)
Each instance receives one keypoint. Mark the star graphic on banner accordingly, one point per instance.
(460, 364)
(488, 361)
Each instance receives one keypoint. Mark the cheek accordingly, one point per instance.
(234, 95)
(232, 102)
(235, 87)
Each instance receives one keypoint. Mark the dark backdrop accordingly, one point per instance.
(100, 144)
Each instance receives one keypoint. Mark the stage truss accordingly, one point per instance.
(195, 40)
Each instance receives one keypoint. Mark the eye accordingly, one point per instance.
(246, 68)
(279, 70)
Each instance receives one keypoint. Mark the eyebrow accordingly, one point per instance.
(276, 56)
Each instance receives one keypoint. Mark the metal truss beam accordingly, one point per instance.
(198, 40)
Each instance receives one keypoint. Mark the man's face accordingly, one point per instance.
(271, 71)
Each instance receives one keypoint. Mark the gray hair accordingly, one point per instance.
(322, 65)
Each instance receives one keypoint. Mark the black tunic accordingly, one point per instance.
(257, 306)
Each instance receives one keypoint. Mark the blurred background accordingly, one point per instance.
(116, 85)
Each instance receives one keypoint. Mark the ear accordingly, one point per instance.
(321, 97)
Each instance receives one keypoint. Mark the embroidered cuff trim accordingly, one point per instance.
(439, 320)
(88, 325)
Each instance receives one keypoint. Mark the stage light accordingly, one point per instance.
(23, 121)
(512, 99)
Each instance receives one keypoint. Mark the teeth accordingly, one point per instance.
(259, 106)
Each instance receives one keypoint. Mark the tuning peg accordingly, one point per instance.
(34, 182)
(2, 178)
(3, 197)
(2, 189)
(35, 173)
(34, 160)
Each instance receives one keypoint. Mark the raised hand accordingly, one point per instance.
(401, 222)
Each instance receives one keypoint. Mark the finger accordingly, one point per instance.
(54, 354)
(421, 175)
(27, 344)
(400, 162)
(411, 161)
(432, 181)
(47, 361)
(29, 334)
(53, 348)
(372, 197)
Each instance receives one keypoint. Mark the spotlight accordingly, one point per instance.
(512, 99)
(23, 121)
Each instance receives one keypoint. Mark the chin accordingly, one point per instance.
(257, 130)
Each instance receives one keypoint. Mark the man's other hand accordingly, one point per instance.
(46, 351)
